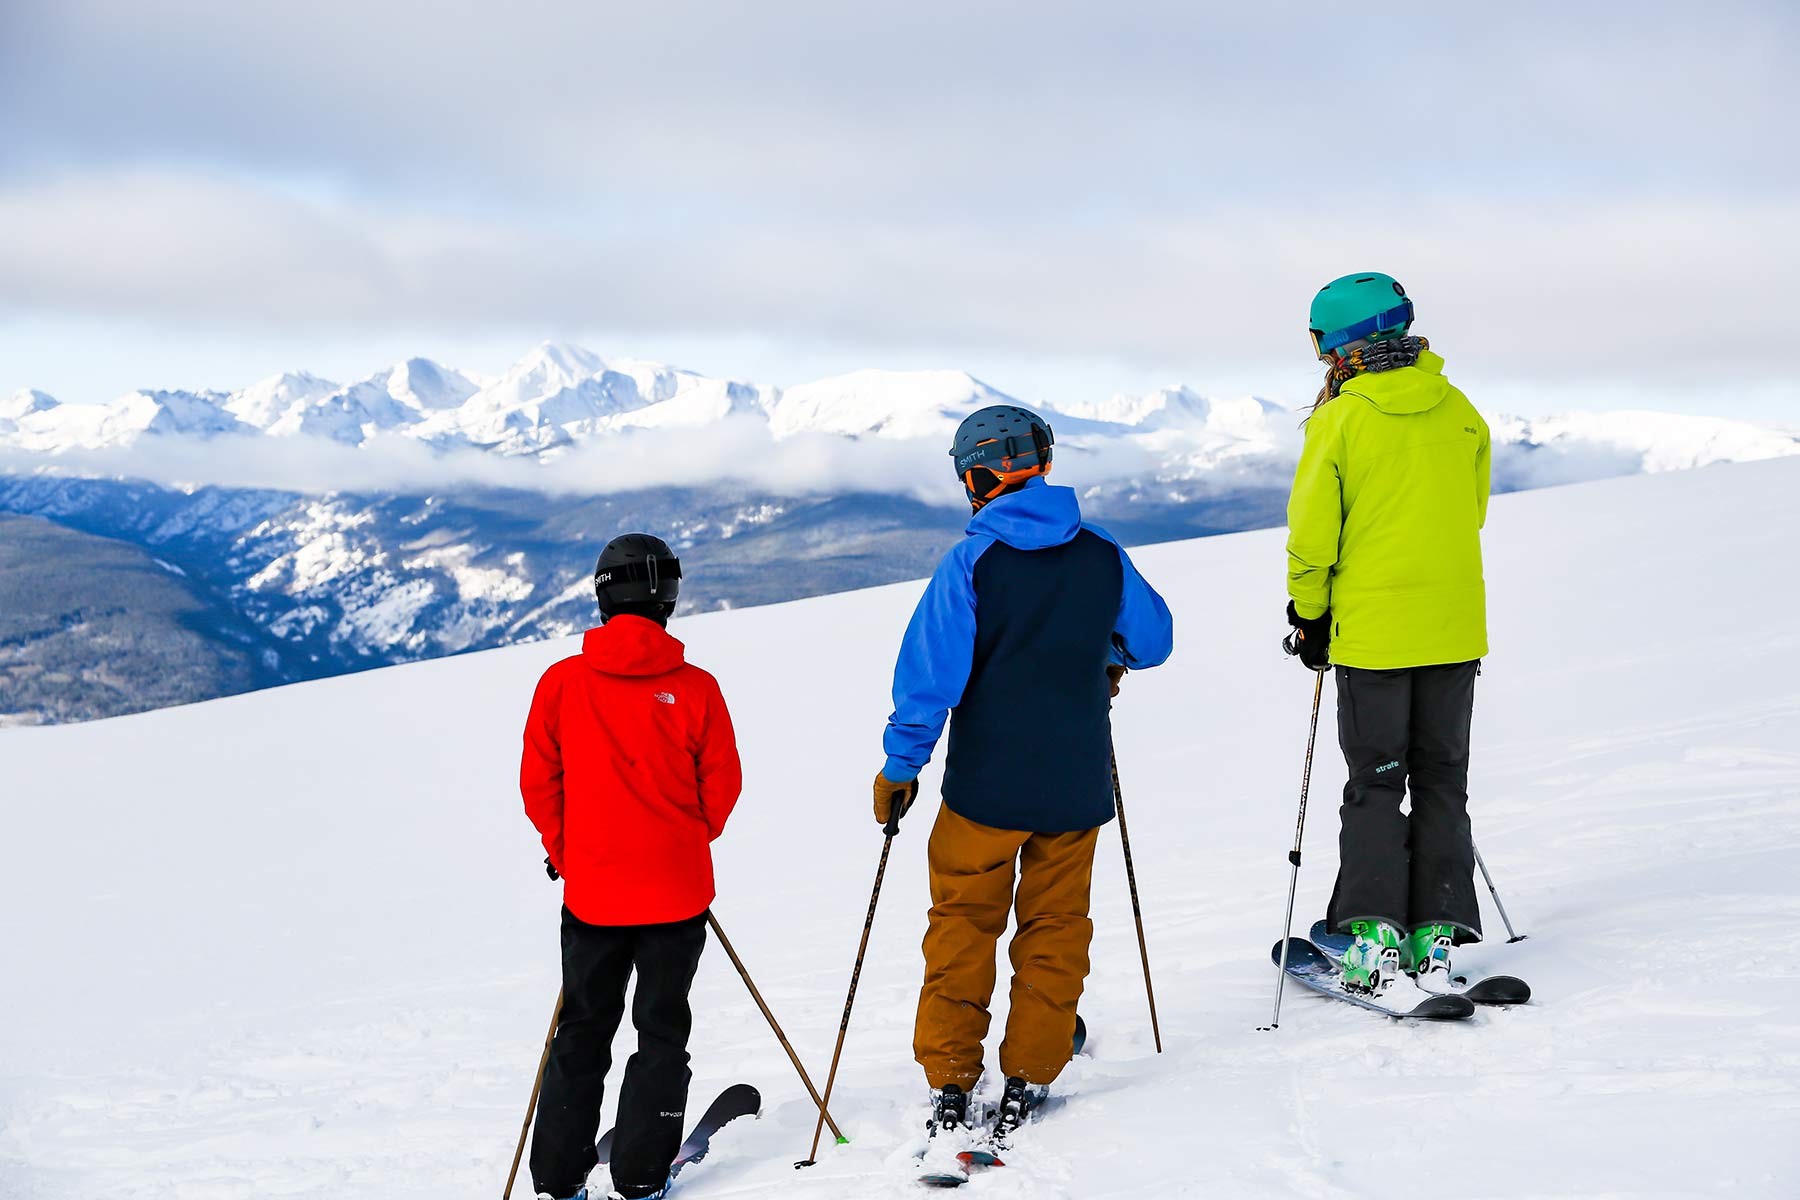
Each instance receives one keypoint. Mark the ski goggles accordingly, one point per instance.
(1003, 455)
(983, 485)
(652, 570)
(1396, 317)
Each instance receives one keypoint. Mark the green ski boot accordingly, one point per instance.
(1372, 963)
(1427, 955)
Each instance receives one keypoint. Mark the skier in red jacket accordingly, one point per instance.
(629, 773)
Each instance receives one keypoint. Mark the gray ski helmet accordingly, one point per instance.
(999, 447)
(636, 569)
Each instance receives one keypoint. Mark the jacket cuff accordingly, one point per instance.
(898, 772)
(1306, 610)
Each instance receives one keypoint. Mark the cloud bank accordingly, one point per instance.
(1568, 192)
(734, 451)
(1515, 289)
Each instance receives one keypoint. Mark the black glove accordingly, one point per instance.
(1311, 639)
(550, 869)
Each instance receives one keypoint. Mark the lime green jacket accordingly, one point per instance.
(1384, 523)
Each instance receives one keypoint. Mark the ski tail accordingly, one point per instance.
(738, 1100)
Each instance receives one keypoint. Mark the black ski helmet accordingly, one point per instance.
(998, 448)
(637, 574)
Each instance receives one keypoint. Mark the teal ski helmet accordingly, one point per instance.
(1367, 306)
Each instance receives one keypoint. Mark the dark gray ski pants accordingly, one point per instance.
(1404, 730)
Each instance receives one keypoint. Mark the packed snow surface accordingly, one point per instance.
(300, 943)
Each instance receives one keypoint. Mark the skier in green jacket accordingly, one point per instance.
(1385, 585)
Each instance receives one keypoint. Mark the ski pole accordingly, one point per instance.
(536, 1087)
(1287, 926)
(1137, 913)
(1511, 936)
(887, 845)
(774, 1024)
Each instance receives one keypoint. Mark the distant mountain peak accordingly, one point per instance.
(564, 356)
(886, 403)
(26, 401)
(429, 386)
(266, 401)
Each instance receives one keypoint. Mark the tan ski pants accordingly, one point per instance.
(972, 877)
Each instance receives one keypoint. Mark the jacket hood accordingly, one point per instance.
(629, 645)
(1033, 518)
(1415, 389)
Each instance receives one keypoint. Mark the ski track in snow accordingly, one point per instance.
(298, 944)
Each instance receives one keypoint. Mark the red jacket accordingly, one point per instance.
(630, 770)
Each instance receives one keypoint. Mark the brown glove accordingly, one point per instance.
(888, 794)
(1114, 673)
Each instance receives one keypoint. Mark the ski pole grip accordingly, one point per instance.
(902, 804)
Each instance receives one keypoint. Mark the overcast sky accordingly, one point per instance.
(1593, 205)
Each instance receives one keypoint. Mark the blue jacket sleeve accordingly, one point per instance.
(1145, 634)
(935, 659)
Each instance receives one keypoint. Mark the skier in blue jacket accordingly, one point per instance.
(1019, 642)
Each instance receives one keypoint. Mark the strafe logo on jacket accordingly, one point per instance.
(628, 803)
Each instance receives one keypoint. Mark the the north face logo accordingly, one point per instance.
(665, 697)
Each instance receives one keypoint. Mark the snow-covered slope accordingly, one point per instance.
(24, 402)
(54, 428)
(300, 944)
(265, 402)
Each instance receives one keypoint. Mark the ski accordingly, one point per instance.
(1494, 990)
(972, 1162)
(969, 1163)
(738, 1100)
(1313, 968)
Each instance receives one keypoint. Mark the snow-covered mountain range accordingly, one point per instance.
(315, 527)
(561, 396)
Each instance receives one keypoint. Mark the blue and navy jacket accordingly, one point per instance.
(1014, 634)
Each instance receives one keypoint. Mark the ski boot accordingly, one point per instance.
(1427, 955)
(1016, 1105)
(949, 1110)
(659, 1194)
(1372, 963)
(580, 1194)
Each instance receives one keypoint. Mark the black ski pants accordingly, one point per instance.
(1406, 730)
(597, 962)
